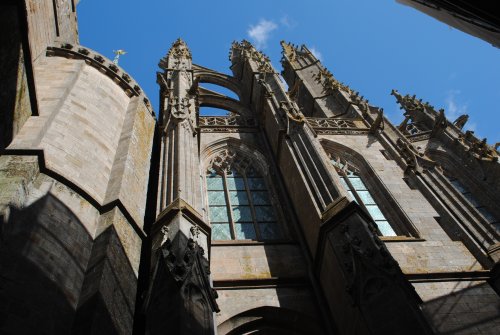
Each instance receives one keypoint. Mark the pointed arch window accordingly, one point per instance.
(356, 187)
(239, 202)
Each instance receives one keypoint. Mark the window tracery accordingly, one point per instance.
(353, 183)
(239, 202)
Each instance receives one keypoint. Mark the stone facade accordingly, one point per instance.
(303, 211)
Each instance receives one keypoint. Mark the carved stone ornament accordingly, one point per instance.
(293, 92)
(228, 130)
(374, 281)
(440, 123)
(294, 119)
(378, 123)
(330, 85)
(461, 121)
(180, 296)
(419, 136)
(179, 108)
(179, 50)
(411, 103)
(289, 51)
(414, 159)
(247, 51)
(360, 102)
(227, 121)
(226, 160)
(340, 131)
(329, 123)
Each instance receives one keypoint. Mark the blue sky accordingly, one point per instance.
(373, 46)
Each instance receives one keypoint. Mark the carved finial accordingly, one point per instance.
(289, 51)
(179, 50)
(177, 57)
(411, 103)
(461, 121)
(329, 83)
(245, 50)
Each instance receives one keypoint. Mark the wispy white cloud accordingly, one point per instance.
(261, 32)
(316, 53)
(454, 109)
(288, 22)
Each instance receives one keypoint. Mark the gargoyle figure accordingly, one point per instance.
(398, 96)
(461, 121)
(440, 120)
(378, 123)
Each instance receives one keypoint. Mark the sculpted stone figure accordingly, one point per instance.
(461, 121)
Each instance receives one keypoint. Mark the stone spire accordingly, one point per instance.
(244, 50)
(179, 56)
(180, 279)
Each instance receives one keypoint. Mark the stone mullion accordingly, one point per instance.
(252, 208)
(354, 192)
(229, 207)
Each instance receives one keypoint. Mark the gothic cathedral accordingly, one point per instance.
(303, 210)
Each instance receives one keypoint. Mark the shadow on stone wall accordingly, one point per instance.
(54, 278)
(472, 310)
(270, 320)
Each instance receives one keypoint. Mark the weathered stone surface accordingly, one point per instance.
(257, 262)
(235, 301)
(79, 247)
(466, 307)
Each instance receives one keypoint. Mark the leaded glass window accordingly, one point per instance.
(239, 202)
(354, 185)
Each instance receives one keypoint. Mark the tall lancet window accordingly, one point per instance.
(354, 185)
(489, 217)
(239, 202)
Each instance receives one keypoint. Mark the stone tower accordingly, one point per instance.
(300, 211)
(77, 135)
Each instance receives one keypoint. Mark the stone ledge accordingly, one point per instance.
(480, 275)
(102, 208)
(181, 206)
(229, 243)
(273, 282)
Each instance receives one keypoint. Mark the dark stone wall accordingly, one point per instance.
(43, 255)
(14, 93)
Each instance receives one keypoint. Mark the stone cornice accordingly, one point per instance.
(181, 206)
(104, 65)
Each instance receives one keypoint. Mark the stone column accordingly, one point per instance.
(180, 298)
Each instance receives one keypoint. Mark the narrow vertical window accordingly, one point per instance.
(219, 216)
(240, 206)
(474, 202)
(354, 185)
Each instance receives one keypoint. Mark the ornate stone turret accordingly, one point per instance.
(180, 297)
